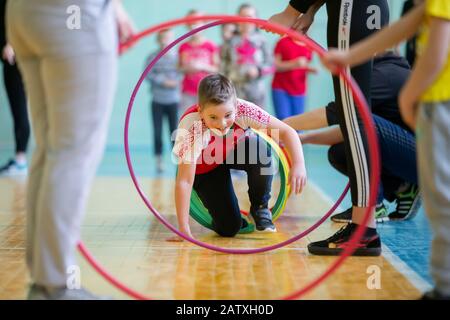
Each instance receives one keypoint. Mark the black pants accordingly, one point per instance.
(18, 105)
(360, 19)
(398, 158)
(215, 188)
(159, 111)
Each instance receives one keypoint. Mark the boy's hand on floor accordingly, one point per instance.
(297, 178)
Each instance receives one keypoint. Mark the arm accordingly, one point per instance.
(327, 137)
(215, 65)
(290, 15)
(288, 65)
(380, 41)
(184, 66)
(305, 21)
(314, 119)
(426, 69)
(125, 25)
(183, 189)
(297, 174)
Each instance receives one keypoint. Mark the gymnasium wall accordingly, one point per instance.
(148, 12)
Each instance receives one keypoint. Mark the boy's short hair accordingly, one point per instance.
(215, 89)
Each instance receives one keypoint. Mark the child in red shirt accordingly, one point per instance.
(289, 83)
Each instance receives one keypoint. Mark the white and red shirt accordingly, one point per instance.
(196, 143)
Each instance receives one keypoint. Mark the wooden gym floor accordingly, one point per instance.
(126, 238)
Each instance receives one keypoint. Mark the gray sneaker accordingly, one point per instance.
(37, 292)
(263, 220)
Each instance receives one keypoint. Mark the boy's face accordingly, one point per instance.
(248, 12)
(165, 38)
(219, 118)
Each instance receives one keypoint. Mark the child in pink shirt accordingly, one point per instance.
(198, 58)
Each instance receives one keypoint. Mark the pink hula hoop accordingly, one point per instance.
(365, 115)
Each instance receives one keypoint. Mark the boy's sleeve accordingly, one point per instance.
(188, 144)
(249, 115)
(438, 8)
(302, 5)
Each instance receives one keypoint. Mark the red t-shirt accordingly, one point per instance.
(294, 81)
(197, 54)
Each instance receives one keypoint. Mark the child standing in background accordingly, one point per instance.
(228, 31)
(198, 58)
(249, 59)
(165, 81)
(289, 83)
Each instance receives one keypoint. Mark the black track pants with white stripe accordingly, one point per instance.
(348, 22)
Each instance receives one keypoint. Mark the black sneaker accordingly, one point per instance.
(434, 295)
(343, 217)
(369, 245)
(408, 204)
(381, 215)
(263, 220)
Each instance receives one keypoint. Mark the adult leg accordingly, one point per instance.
(433, 135)
(18, 104)
(355, 22)
(77, 84)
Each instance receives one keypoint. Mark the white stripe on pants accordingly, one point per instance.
(70, 79)
(349, 108)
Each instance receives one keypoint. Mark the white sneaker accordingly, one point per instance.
(13, 169)
(37, 292)
(159, 165)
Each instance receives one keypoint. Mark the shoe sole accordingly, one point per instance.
(372, 252)
(337, 220)
(267, 230)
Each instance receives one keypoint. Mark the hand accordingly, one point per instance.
(334, 60)
(297, 178)
(301, 63)
(253, 72)
(170, 83)
(125, 25)
(8, 54)
(303, 23)
(285, 18)
(177, 238)
(408, 107)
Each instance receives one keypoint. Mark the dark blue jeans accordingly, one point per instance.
(159, 111)
(215, 188)
(398, 157)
